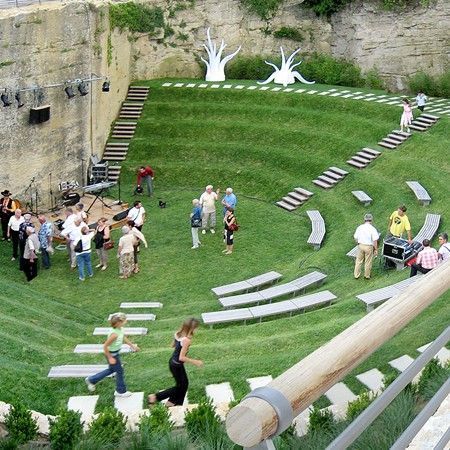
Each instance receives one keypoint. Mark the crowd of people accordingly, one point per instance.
(367, 236)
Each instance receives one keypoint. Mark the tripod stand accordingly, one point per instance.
(98, 196)
(32, 190)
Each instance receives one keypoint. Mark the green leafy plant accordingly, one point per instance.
(182, 37)
(202, 420)
(6, 63)
(108, 427)
(320, 420)
(438, 86)
(357, 406)
(433, 376)
(20, 424)
(158, 422)
(373, 79)
(263, 8)
(289, 33)
(65, 430)
(136, 17)
(248, 68)
(109, 50)
(325, 7)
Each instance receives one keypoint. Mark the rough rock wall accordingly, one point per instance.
(41, 46)
(398, 44)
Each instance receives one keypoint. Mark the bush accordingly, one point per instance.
(263, 8)
(357, 406)
(325, 69)
(288, 33)
(248, 68)
(137, 17)
(158, 422)
(202, 421)
(108, 427)
(373, 79)
(325, 7)
(438, 86)
(432, 378)
(20, 424)
(320, 420)
(7, 444)
(66, 430)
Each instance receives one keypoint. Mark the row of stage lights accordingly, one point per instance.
(82, 88)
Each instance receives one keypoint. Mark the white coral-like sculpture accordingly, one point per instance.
(285, 75)
(215, 67)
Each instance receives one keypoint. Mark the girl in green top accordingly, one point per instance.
(111, 348)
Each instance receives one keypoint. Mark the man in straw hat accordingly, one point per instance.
(7, 208)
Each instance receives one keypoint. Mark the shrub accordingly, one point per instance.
(20, 424)
(289, 33)
(248, 68)
(438, 86)
(320, 420)
(108, 427)
(357, 406)
(373, 79)
(325, 7)
(158, 422)
(328, 70)
(137, 17)
(66, 430)
(7, 444)
(202, 420)
(432, 378)
(263, 8)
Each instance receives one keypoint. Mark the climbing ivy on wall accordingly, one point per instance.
(136, 17)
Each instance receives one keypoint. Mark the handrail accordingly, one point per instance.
(354, 430)
(254, 419)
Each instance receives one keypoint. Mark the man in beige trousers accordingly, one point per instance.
(366, 236)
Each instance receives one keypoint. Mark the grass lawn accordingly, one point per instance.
(262, 144)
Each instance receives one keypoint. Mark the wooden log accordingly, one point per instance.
(254, 420)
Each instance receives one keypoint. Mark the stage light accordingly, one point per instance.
(105, 86)
(69, 92)
(82, 89)
(19, 101)
(5, 99)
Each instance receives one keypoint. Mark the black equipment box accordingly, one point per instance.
(399, 249)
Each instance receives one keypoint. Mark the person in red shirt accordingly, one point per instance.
(145, 174)
(427, 259)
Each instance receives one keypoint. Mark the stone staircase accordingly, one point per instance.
(330, 177)
(394, 139)
(423, 122)
(363, 158)
(123, 130)
(294, 199)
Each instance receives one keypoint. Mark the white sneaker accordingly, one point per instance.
(203, 231)
(98, 266)
(90, 386)
(194, 247)
(212, 231)
(125, 394)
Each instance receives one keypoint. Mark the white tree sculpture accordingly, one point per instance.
(285, 75)
(215, 68)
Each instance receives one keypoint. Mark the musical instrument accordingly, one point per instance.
(70, 198)
(98, 186)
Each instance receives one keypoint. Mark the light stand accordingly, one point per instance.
(120, 200)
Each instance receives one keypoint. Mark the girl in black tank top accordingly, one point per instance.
(181, 343)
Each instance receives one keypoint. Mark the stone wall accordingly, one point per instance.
(48, 44)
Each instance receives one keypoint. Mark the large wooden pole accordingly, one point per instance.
(254, 420)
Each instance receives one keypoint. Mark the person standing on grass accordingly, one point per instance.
(196, 222)
(366, 236)
(182, 341)
(444, 249)
(208, 203)
(83, 252)
(421, 101)
(23, 236)
(229, 228)
(13, 232)
(146, 174)
(229, 200)
(111, 349)
(102, 235)
(138, 238)
(30, 254)
(399, 223)
(407, 115)
(137, 215)
(125, 251)
(45, 236)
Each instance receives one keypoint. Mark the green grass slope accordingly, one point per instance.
(262, 144)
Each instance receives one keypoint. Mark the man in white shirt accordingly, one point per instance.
(367, 237)
(73, 235)
(13, 231)
(444, 249)
(208, 203)
(137, 215)
(29, 255)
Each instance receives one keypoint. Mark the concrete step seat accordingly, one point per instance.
(402, 133)
(300, 190)
(286, 206)
(387, 145)
(114, 157)
(392, 141)
(322, 184)
(76, 371)
(333, 175)
(371, 151)
(138, 317)
(397, 137)
(118, 144)
(292, 201)
(326, 179)
(301, 198)
(430, 116)
(366, 155)
(338, 171)
(356, 164)
(362, 197)
(126, 123)
(418, 127)
(425, 120)
(361, 159)
(130, 331)
(141, 305)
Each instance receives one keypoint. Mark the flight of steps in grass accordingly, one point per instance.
(222, 394)
(423, 122)
(330, 177)
(394, 139)
(294, 199)
(124, 129)
(363, 158)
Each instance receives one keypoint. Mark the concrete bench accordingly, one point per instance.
(103, 331)
(420, 192)
(133, 317)
(141, 305)
(75, 371)
(246, 285)
(271, 309)
(293, 287)
(98, 348)
(353, 252)
(362, 197)
(374, 298)
(429, 227)
(318, 229)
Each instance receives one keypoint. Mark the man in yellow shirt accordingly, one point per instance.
(399, 223)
